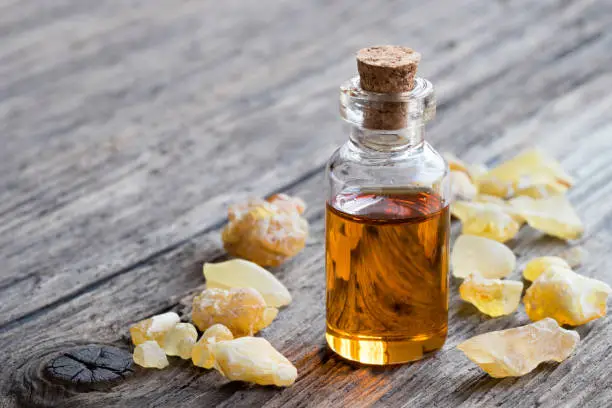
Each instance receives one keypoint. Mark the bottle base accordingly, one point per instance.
(382, 351)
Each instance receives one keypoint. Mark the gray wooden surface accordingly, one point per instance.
(127, 127)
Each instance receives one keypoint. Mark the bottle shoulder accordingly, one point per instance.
(422, 162)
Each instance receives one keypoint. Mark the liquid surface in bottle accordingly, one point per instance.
(387, 274)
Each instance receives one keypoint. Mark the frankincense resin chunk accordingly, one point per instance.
(267, 232)
(242, 310)
(239, 273)
(515, 352)
(494, 297)
(472, 255)
(253, 359)
(180, 339)
(552, 215)
(150, 355)
(537, 266)
(566, 296)
(531, 170)
(461, 186)
(201, 354)
(487, 220)
(154, 328)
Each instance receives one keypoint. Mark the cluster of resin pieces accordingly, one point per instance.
(243, 299)
(529, 188)
(266, 232)
(492, 205)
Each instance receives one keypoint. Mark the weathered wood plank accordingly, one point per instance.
(512, 88)
(93, 201)
(450, 380)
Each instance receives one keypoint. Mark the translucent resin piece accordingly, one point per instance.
(267, 232)
(535, 188)
(472, 255)
(150, 355)
(253, 359)
(239, 273)
(529, 168)
(454, 163)
(242, 310)
(516, 352)
(486, 220)
(537, 266)
(493, 297)
(461, 186)
(492, 186)
(154, 328)
(180, 339)
(553, 215)
(201, 354)
(566, 296)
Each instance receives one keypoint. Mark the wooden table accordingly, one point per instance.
(127, 127)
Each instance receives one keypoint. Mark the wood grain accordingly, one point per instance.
(127, 128)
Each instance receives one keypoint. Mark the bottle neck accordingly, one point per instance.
(388, 140)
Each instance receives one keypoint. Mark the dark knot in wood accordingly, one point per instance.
(56, 376)
(90, 365)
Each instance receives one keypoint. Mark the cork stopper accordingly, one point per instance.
(387, 68)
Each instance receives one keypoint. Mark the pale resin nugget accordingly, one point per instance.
(537, 266)
(472, 255)
(240, 273)
(201, 354)
(267, 232)
(461, 186)
(150, 355)
(493, 297)
(566, 296)
(154, 328)
(487, 220)
(253, 359)
(552, 215)
(180, 339)
(531, 173)
(515, 352)
(242, 310)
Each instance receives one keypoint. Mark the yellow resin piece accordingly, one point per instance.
(487, 220)
(180, 339)
(552, 215)
(493, 297)
(154, 328)
(242, 310)
(535, 188)
(531, 167)
(267, 232)
(239, 273)
(489, 185)
(486, 200)
(201, 354)
(472, 255)
(461, 186)
(454, 163)
(253, 359)
(150, 355)
(566, 296)
(537, 266)
(516, 352)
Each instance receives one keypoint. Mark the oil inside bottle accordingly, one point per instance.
(387, 274)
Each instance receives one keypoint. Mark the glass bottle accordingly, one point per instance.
(387, 230)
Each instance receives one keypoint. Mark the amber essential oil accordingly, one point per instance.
(387, 274)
